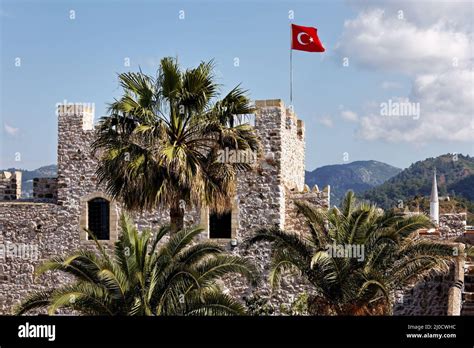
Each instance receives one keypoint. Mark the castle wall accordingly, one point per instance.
(31, 232)
(428, 297)
(294, 221)
(55, 228)
(263, 197)
(45, 189)
(28, 236)
(438, 294)
(10, 185)
(76, 166)
(260, 192)
(293, 151)
(452, 225)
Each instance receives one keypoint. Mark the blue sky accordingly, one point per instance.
(78, 59)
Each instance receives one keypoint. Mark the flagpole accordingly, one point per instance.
(291, 69)
(291, 76)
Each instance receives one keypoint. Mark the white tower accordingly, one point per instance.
(434, 203)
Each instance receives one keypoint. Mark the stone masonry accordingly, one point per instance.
(53, 222)
(45, 188)
(10, 185)
(452, 224)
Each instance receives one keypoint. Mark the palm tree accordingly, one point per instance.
(470, 250)
(160, 143)
(392, 256)
(177, 278)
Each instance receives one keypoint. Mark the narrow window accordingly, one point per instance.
(220, 225)
(98, 218)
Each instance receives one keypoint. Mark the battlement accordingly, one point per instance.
(315, 196)
(45, 189)
(268, 103)
(55, 218)
(10, 185)
(452, 224)
(84, 111)
(290, 117)
(283, 140)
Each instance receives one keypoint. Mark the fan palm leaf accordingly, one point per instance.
(147, 274)
(392, 256)
(157, 146)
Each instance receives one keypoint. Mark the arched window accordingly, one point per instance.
(98, 214)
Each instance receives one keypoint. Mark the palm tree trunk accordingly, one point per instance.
(176, 218)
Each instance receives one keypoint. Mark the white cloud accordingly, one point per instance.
(326, 121)
(375, 40)
(446, 112)
(349, 115)
(432, 45)
(10, 130)
(454, 13)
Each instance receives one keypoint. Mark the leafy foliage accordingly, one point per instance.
(257, 305)
(179, 277)
(298, 307)
(393, 256)
(455, 175)
(159, 144)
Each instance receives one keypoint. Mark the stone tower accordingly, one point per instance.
(10, 185)
(262, 193)
(77, 181)
(54, 222)
(76, 167)
(434, 203)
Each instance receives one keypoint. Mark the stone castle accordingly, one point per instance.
(10, 186)
(53, 222)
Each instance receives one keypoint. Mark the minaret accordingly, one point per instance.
(434, 203)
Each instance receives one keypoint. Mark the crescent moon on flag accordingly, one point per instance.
(298, 38)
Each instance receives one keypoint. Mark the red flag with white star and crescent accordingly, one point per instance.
(305, 39)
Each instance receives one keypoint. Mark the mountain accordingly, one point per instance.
(464, 187)
(455, 176)
(28, 176)
(357, 176)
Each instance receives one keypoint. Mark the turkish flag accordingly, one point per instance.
(305, 39)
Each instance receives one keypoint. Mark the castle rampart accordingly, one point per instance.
(53, 222)
(10, 185)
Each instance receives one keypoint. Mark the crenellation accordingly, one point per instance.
(10, 185)
(55, 219)
(53, 222)
(45, 189)
(452, 224)
(259, 104)
(320, 199)
(300, 129)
